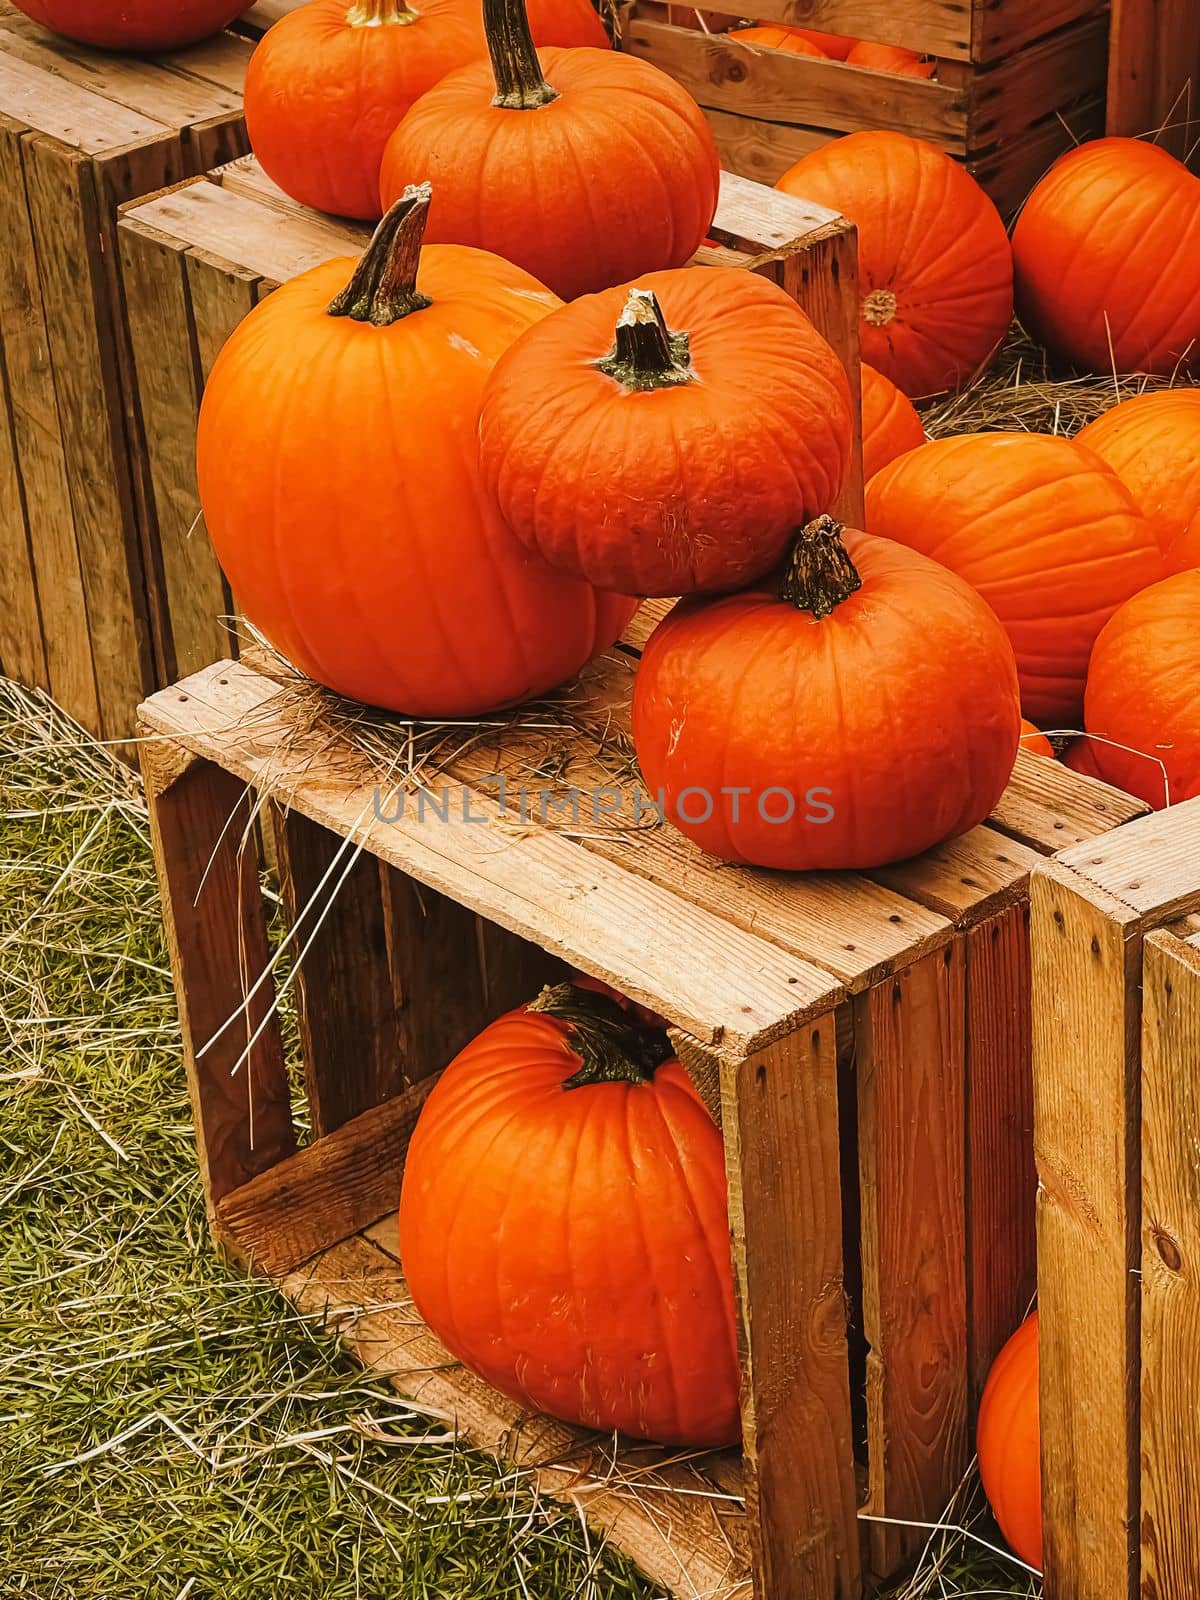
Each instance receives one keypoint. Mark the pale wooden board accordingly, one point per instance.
(1170, 1260)
(683, 1523)
(538, 885)
(1086, 965)
(754, 219)
(1154, 80)
(1152, 865)
(79, 118)
(1050, 808)
(966, 879)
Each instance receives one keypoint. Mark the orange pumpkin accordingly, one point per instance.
(598, 166)
(330, 81)
(339, 477)
(1009, 1444)
(935, 268)
(137, 25)
(1152, 443)
(858, 713)
(624, 439)
(1080, 756)
(563, 1224)
(891, 58)
(889, 420)
(835, 45)
(1034, 741)
(1142, 693)
(791, 40)
(1102, 252)
(1049, 536)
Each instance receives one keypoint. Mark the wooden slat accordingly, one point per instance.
(780, 1121)
(22, 652)
(1154, 74)
(761, 150)
(216, 934)
(1067, 66)
(1086, 968)
(1049, 808)
(998, 30)
(1152, 865)
(1170, 1259)
(910, 1057)
(83, 121)
(966, 879)
(1010, 171)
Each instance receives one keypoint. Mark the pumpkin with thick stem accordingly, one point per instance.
(935, 267)
(1010, 1444)
(1105, 251)
(598, 166)
(138, 25)
(1049, 536)
(330, 81)
(890, 424)
(339, 478)
(857, 712)
(1152, 443)
(563, 1224)
(666, 438)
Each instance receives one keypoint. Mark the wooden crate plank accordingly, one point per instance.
(762, 151)
(1010, 171)
(1170, 1251)
(1147, 865)
(1086, 964)
(780, 1120)
(216, 934)
(1154, 74)
(1069, 65)
(84, 121)
(220, 295)
(22, 653)
(933, 27)
(1049, 808)
(909, 1044)
(999, 29)
(966, 879)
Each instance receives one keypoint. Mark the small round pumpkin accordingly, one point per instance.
(1103, 250)
(137, 25)
(338, 473)
(858, 712)
(329, 82)
(563, 1224)
(935, 268)
(1142, 693)
(1034, 742)
(667, 438)
(1009, 1443)
(598, 166)
(889, 421)
(793, 41)
(1152, 443)
(1048, 534)
(891, 58)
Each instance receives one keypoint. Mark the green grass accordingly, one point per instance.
(168, 1429)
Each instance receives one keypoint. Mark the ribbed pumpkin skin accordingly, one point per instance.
(1142, 691)
(1103, 250)
(890, 422)
(134, 24)
(790, 40)
(323, 95)
(338, 473)
(666, 491)
(1034, 742)
(1009, 1445)
(927, 236)
(898, 711)
(1048, 535)
(572, 1246)
(889, 58)
(1152, 443)
(619, 132)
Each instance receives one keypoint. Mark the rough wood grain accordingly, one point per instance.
(780, 1119)
(1154, 72)
(1050, 808)
(1152, 865)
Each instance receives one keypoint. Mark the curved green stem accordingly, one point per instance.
(520, 85)
(384, 286)
(820, 573)
(612, 1045)
(645, 353)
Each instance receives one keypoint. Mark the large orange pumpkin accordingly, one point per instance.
(790, 40)
(1048, 534)
(856, 714)
(330, 81)
(138, 25)
(563, 1224)
(585, 167)
(935, 268)
(1105, 251)
(624, 437)
(338, 471)
(891, 58)
(1143, 692)
(1009, 1444)
(890, 424)
(1152, 443)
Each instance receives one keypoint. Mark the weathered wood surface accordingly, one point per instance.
(1154, 73)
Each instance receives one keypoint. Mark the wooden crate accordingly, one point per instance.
(864, 1037)
(82, 132)
(1015, 80)
(1116, 969)
(1154, 74)
(196, 260)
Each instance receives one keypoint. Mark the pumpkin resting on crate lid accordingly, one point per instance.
(137, 25)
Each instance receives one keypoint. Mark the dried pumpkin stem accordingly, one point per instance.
(520, 85)
(820, 573)
(612, 1045)
(384, 286)
(380, 14)
(645, 353)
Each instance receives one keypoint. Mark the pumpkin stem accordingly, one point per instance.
(520, 85)
(645, 353)
(380, 14)
(820, 573)
(384, 286)
(612, 1045)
